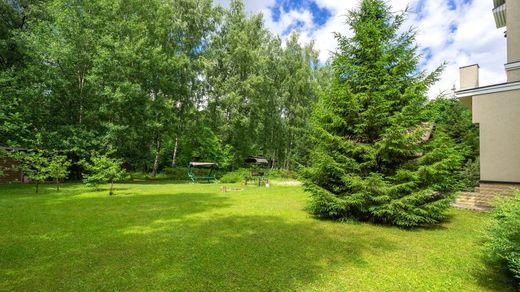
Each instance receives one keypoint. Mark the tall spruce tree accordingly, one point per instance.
(376, 156)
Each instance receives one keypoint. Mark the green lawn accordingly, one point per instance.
(193, 237)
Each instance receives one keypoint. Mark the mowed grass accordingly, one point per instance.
(194, 237)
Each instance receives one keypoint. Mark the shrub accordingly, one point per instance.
(231, 177)
(176, 173)
(58, 168)
(235, 176)
(103, 169)
(503, 235)
(3, 155)
(469, 176)
(34, 164)
(138, 175)
(168, 173)
(282, 173)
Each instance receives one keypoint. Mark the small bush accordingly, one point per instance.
(103, 169)
(469, 176)
(503, 243)
(176, 173)
(282, 174)
(231, 177)
(139, 175)
(235, 176)
(168, 173)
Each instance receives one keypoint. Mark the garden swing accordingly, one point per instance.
(208, 175)
(258, 167)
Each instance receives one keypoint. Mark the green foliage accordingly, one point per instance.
(58, 168)
(103, 169)
(469, 175)
(282, 174)
(235, 176)
(141, 176)
(3, 155)
(88, 74)
(376, 156)
(503, 236)
(454, 119)
(34, 165)
(207, 146)
(176, 173)
(39, 166)
(261, 94)
(239, 175)
(232, 177)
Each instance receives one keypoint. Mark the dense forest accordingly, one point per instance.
(159, 83)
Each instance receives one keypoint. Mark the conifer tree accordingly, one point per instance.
(376, 156)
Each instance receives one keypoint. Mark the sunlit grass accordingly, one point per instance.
(193, 237)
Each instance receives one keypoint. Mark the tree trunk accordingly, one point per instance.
(58, 184)
(287, 157)
(157, 156)
(37, 186)
(81, 84)
(174, 158)
(111, 188)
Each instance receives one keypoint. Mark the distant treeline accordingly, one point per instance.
(161, 82)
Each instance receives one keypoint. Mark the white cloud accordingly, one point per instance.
(475, 39)
(251, 5)
(287, 19)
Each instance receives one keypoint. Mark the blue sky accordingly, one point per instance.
(458, 32)
(320, 15)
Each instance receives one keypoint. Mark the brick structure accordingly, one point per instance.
(485, 195)
(9, 174)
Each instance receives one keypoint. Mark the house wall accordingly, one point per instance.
(513, 38)
(513, 30)
(498, 116)
(513, 75)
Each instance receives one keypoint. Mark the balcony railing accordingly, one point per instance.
(499, 12)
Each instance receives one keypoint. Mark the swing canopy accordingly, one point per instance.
(256, 160)
(207, 176)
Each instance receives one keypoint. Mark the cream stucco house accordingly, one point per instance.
(496, 110)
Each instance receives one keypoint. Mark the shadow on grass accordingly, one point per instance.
(244, 253)
(494, 275)
(352, 221)
(157, 181)
(17, 190)
(172, 242)
(72, 191)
